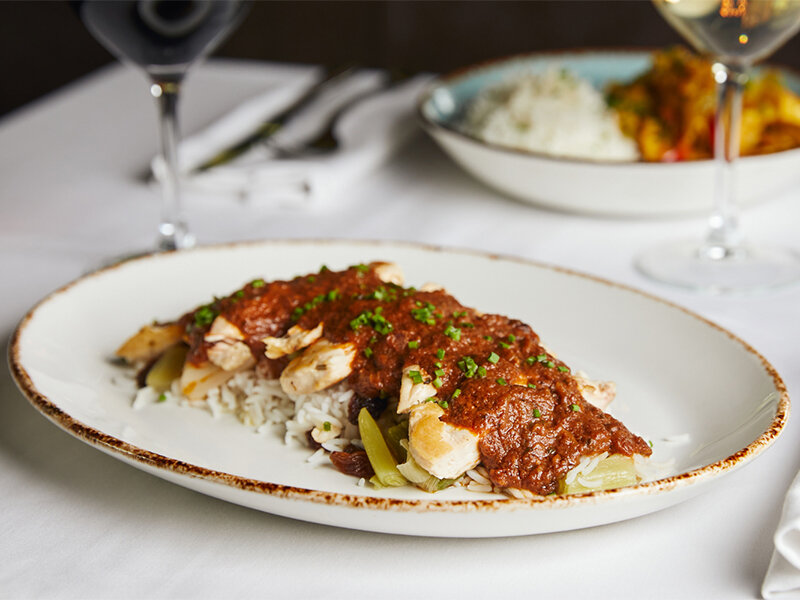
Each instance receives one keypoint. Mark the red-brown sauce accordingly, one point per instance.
(491, 372)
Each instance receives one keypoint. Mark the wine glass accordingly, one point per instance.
(737, 34)
(164, 38)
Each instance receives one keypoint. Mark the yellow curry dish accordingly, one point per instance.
(669, 110)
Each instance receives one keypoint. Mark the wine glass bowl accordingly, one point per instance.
(737, 34)
(163, 38)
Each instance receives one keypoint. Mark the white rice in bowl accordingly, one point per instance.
(555, 113)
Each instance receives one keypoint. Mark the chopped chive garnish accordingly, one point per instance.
(444, 404)
(437, 383)
(424, 314)
(204, 315)
(532, 386)
(311, 279)
(440, 354)
(333, 295)
(541, 357)
(258, 283)
(456, 393)
(575, 408)
(503, 344)
(362, 268)
(374, 319)
(530, 360)
(239, 294)
(323, 268)
(512, 338)
(326, 425)
(453, 333)
(468, 365)
(438, 364)
(380, 294)
(415, 376)
(439, 372)
(550, 364)
(368, 352)
(537, 413)
(563, 369)
(162, 398)
(481, 371)
(413, 344)
(493, 358)
(488, 338)
(501, 381)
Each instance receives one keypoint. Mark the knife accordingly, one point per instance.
(271, 126)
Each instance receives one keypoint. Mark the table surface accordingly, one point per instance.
(77, 523)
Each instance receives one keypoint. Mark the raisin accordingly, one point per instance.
(354, 463)
(375, 406)
(312, 443)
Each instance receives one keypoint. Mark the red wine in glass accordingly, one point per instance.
(164, 38)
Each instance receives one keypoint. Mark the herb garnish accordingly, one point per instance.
(454, 333)
(468, 365)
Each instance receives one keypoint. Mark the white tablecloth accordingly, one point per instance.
(75, 523)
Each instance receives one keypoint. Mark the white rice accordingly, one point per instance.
(262, 403)
(554, 112)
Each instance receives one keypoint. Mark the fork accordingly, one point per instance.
(326, 141)
(270, 127)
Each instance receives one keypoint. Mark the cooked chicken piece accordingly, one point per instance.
(230, 355)
(222, 329)
(441, 449)
(319, 366)
(322, 435)
(149, 342)
(412, 393)
(197, 381)
(431, 287)
(389, 273)
(598, 393)
(295, 339)
(227, 351)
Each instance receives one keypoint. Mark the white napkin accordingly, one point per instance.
(369, 134)
(783, 575)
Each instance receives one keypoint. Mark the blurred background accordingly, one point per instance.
(44, 45)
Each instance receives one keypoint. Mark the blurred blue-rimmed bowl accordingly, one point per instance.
(597, 187)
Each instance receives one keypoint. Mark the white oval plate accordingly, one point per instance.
(677, 375)
(621, 189)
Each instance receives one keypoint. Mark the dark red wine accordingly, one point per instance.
(162, 36)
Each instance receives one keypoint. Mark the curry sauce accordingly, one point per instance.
(491, 373)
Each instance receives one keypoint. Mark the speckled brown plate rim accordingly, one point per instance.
(92, 436)
(469, 71)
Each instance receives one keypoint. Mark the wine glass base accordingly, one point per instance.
(174, 236)
(695, 266)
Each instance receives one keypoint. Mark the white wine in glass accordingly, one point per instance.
(735, 34)
(164, 38)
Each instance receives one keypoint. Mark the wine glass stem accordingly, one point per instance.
(723, 239)
(173, 232)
